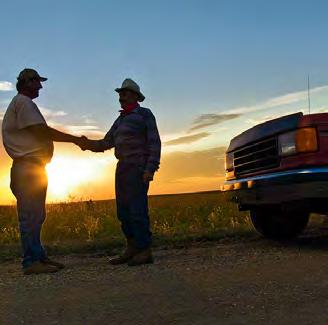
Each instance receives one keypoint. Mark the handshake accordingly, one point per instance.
(84, 143)
(95, 145)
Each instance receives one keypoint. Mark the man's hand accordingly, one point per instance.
(148, 177)
(83, 142)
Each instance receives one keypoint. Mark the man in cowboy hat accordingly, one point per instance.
(137, 144)
(29, 142)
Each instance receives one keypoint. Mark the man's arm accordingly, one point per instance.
(44, 131)
(153, 148)
(100, 145)
(30, 118)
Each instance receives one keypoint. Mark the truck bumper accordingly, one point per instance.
(308, 185)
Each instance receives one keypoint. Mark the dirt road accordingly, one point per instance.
(251, 281)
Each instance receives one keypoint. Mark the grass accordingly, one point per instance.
(93, 227)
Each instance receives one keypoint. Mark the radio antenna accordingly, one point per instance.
(309, 98)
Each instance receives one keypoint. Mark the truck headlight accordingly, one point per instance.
(299, 141)
(287, 144)
(229, 161)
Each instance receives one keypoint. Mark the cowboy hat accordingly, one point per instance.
(129, 84)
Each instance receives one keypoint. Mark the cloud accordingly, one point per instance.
(87, 126)
(88, 119)
(76, 129)
(205, 120)
(259, 120)
(51, 117)
(286, 99)
(187, 139)
(255, 121)
(323, 109)
(6, 86)
(87, 130)
(48, 113)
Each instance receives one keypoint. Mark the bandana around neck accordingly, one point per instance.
(128, 108)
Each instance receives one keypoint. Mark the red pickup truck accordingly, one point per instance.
(278, 170)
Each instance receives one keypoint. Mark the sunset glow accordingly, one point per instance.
(65, 174)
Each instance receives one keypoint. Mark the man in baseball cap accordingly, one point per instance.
(28, 140)
(30, 74)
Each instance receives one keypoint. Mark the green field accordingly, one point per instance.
(92, 226)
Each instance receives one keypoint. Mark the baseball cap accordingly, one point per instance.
(28, 74)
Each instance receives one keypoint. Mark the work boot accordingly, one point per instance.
(129, 252)
(144, 256)
(38, 268)
(48, 261)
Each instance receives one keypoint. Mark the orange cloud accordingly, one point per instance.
(205, 120)
(188, 138)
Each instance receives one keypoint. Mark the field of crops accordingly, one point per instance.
(92, 225)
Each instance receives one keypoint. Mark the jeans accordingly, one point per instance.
(29, 185)
(132, 203)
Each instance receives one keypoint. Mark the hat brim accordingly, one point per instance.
(43, 79)
(141, 96)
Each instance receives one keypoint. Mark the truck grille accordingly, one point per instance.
(255, 157)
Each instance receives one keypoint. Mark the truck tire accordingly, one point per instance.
(275, 223)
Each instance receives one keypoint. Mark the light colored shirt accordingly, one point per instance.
(18, 141)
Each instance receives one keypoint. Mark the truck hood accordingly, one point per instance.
(266, 129)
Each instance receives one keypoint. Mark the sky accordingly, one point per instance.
(209, 70)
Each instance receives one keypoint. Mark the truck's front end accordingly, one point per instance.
(279, 171)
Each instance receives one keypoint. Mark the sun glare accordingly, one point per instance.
(66, 174)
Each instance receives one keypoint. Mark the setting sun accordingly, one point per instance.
(65, 174)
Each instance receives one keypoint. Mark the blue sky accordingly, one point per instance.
(189, 57)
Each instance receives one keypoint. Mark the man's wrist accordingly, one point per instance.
(76, 140)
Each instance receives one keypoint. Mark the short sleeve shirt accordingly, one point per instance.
(18, 141)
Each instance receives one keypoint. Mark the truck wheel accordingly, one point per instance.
(274, 223)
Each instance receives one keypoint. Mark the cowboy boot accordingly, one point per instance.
(143, 256)
(129, 252)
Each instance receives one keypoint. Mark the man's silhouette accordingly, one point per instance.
(29, 142)
(137, 144)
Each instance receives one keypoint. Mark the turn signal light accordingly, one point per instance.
(306, 140)
(230, 175)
